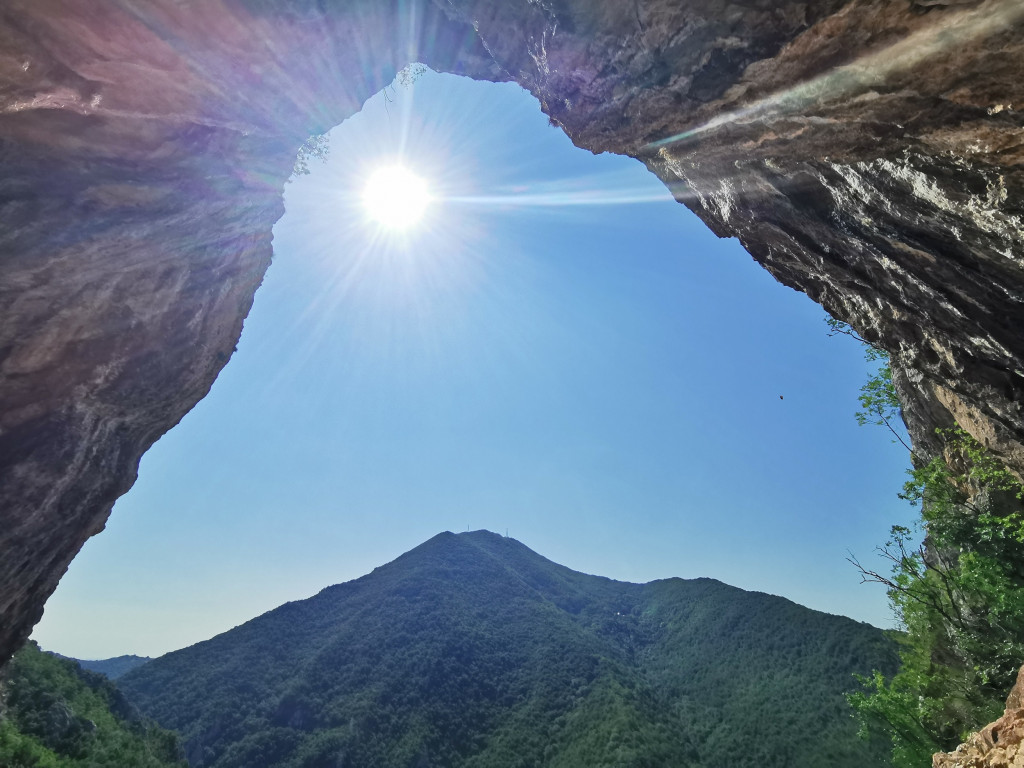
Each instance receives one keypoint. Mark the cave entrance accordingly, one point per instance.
(560, 350)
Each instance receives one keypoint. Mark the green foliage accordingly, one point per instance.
(53, 714)
(896, 708)
(878, 395)
(956, 584)
(880, 405)
(959, 654)
(410, 74)
(316, 147)
(20, 751)
(471, 651)
(959, 596)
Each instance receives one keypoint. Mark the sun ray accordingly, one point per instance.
(958, 31)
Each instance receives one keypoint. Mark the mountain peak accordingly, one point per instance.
(471, 649)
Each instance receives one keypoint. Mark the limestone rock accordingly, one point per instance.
(869, 153)
(998, 744)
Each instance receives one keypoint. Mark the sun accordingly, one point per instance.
(395, 197)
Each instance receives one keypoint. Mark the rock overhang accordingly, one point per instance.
(866, 153)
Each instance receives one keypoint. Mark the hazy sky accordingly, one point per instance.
(560, 351)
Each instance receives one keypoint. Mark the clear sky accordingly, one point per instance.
(559, 350)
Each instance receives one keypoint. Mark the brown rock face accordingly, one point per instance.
(998, 744)
(868, 153)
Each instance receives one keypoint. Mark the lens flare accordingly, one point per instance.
(395, 197)
(950, 31)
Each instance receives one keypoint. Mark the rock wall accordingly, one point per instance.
(997, 745)
(868, 153)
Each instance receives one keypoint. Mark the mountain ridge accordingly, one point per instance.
(473, 650)
(111, 668)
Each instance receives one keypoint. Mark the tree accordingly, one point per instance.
(958, 596)
(317, 146)
(958, 593)
(880, 404)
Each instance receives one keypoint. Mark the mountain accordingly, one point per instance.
(471, 650)
(110, 668)
(54, 714)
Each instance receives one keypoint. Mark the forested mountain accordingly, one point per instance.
(112, 668)
(109, 668)
(471, 650)
(54, 714)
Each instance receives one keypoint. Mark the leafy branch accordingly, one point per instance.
(317, 146)
(959, 595)
(909, 578)
(880, 405)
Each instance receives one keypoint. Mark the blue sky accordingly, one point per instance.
(560, 351)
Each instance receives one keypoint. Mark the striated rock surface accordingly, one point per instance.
(997, 745)
(868, 153)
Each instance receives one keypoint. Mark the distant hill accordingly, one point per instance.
(54, 714)
(471, 651)
(111, 668)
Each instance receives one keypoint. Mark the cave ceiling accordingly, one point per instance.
(866, 153)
